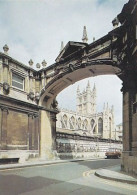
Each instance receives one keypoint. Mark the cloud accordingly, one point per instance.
(40, 26)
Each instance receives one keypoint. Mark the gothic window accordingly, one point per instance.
(17, 81)
(85, 124)
(62, 124)
(109, 124)
(79, 123)
(72, 122)
(93, 126)
(109, 127)
(100, 126)
(65, 119)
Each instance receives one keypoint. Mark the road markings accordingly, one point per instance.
(111, 183)
(88, 173)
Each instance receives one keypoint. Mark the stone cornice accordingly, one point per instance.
(16, 62)
(18, 102)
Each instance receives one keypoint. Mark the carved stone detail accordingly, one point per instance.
(55, 105)
(31, 95)
(6, 87)
(37, 96)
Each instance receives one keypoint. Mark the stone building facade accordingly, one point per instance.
(86, 120)
(19, 113)
(119, 132)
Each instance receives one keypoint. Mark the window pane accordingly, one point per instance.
(17, 81)
(17, 78)
(18, 85)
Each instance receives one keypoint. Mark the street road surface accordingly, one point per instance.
(71, 178)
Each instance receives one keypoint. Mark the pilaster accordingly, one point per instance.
(53, 129)
(4, 128)
(129, 125)
(5, 70)
(1, 70)
(30, 130)
(36, 132)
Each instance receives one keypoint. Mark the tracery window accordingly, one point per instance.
(79, 123)
(72, 122)
(93, 126)
(62, 124)
(65, 119)
(110, 124)
(100, 126)
(85, 124)
(109, 127)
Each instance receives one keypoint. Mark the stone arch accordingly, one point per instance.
(67, 71)
(57, 83)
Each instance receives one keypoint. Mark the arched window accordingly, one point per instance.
(93, 126)
(73, 120)
(65, 119)
(62, 124)
(72, 123)
(85, 124)
(100, 126)
(79, 123)
(109, 127)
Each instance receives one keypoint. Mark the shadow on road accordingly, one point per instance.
(14, 184)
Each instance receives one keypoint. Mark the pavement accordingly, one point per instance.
(114, 173)
(38, 162)
(110, 173)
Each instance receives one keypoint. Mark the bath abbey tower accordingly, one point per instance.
(86, 120)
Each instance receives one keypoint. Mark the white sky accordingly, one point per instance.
(35, 28)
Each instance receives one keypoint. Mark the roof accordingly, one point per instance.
(70, 48)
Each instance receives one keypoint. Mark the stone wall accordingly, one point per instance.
(76, 146)
(19, 130)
